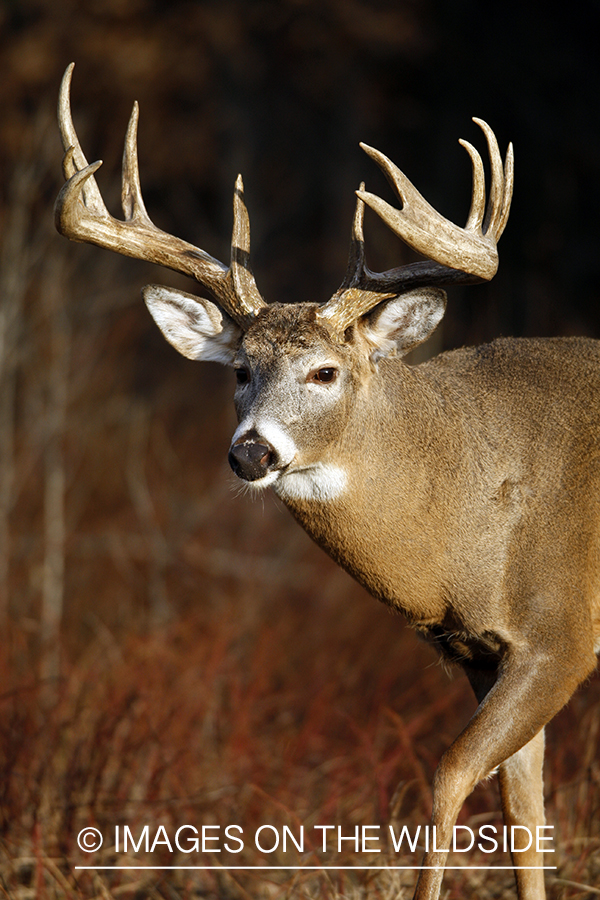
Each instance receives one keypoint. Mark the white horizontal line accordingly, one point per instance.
(316, 868)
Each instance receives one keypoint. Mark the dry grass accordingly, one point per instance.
(222, 719)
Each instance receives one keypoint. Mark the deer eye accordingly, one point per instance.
(326, 375)
(242, 375)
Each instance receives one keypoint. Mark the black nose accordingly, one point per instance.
(250, 458)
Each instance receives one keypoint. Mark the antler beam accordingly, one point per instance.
(81, 215)
(455, 255)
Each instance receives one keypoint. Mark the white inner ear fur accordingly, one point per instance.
(194, 326)
(401, 323)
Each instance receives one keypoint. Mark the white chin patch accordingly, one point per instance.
(322, 482)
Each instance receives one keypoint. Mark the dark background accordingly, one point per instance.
(283, 91)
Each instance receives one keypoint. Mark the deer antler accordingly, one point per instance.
(81, 215)
(456, 255)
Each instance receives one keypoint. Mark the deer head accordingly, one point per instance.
(370, 316)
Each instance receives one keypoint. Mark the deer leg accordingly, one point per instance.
(530, 689)
(522, 793)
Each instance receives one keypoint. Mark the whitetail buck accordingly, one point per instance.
(464, 492)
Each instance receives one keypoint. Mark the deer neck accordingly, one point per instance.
(361, 518)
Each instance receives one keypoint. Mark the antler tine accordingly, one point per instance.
(477, 211)
(356, 257)
(81, 215)
(241, 274)
(498, 186)
(509, 181)
(353, 297)
(74, 160)
(134, 208)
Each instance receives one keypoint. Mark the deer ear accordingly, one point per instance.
(399, 324)
(194, 326)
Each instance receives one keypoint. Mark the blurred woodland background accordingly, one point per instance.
(174, 652)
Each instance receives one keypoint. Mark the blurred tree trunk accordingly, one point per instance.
(15, 264)
(53, 582)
